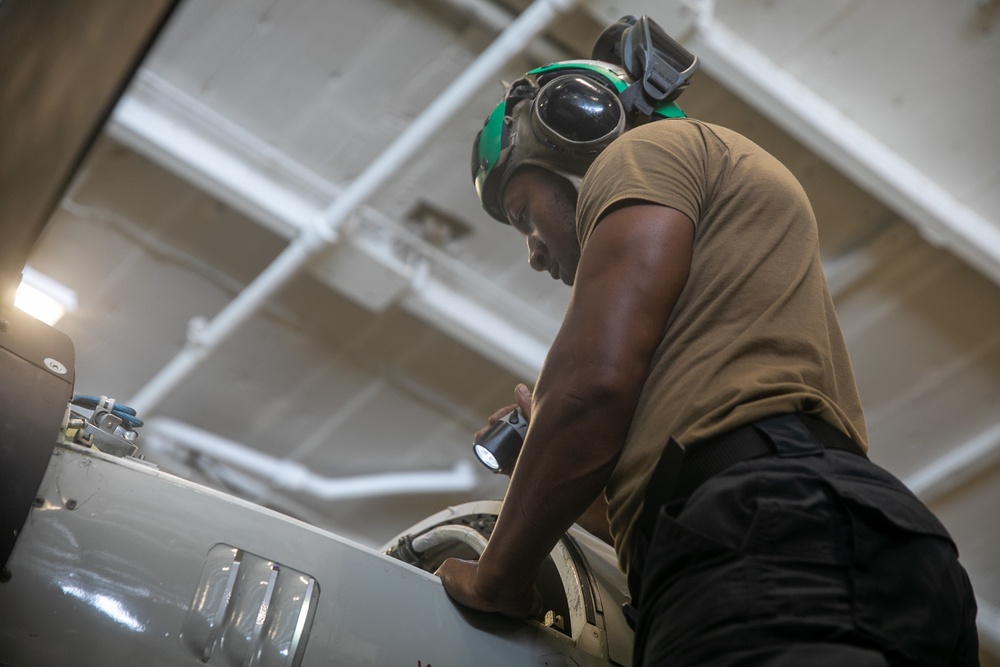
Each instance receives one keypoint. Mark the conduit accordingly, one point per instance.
(323, 230)
(163, 435)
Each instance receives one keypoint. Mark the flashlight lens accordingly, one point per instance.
(487, 457)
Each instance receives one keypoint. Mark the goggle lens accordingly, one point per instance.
(574, 112)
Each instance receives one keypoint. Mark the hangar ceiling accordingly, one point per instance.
(279, 259)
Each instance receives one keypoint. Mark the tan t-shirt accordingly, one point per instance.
(754, 332)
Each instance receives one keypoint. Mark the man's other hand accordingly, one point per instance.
(461, 584)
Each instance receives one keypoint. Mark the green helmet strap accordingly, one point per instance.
(489, 147)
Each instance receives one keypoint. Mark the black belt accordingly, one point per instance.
(682, 470)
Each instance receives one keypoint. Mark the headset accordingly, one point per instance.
(562, 115)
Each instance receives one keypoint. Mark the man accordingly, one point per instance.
(701, 384)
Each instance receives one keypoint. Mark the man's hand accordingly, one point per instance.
(523, 397)
(595, 519)
(460, 583)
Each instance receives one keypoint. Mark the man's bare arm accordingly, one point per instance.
(627, 282)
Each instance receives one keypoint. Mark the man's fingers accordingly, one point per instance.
(523, 397)
(458, 577)
(502, 412)
(507, 409)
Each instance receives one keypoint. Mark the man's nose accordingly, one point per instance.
(538, 256)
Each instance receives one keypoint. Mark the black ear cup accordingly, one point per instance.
(657, 64)
(608, 46)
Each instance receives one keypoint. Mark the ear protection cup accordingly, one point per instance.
(658, 65)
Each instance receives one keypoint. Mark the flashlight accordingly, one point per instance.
(500, 445)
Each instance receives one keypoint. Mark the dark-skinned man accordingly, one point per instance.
(700, 383)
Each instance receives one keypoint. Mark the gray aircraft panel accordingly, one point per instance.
(120, 563)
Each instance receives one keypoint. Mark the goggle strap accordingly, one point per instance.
(634, 102)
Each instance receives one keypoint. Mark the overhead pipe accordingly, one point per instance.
(490, 15)
(165, 124)
(323, 230)
(162, 434)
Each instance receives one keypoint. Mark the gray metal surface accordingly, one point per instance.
(121, 564)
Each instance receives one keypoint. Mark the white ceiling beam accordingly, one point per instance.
(323, 230)
(939, 215)
(942, 218)
(960, 464)
(239, 169)
(160, 121)
(500, 338)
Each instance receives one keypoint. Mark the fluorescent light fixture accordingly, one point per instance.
(43, 298)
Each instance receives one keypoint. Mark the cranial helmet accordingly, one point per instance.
(561, 116)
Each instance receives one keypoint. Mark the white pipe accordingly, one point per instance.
(235, 313)
(495, 18)
(449, 533)
(510, 42)
(322, 231)
(161, 434)
(167, 125)
(957, 466)
(501, 339)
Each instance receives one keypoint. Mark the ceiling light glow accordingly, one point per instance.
(43, 298)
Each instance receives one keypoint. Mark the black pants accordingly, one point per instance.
(805, 556)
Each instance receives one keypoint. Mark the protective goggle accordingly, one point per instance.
(559, 117)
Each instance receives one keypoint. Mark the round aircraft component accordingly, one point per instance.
(582, 589)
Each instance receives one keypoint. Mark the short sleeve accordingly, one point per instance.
(664, 163)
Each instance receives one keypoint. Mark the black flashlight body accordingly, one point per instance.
(500, 445)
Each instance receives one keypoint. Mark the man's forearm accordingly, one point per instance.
(571, 448)
(627, 282)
